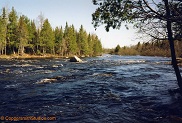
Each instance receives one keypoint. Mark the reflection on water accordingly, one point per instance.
(103, 89)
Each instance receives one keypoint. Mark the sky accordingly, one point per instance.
(76, 12)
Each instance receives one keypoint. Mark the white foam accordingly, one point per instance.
(46, 81)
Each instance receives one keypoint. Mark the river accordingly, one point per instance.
(105, 89)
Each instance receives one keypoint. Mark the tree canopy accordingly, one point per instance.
(20, 35)
(159, 19)
(149, 16)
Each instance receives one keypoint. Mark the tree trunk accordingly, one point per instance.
(43, 50)
(171, 42)
(5, 48)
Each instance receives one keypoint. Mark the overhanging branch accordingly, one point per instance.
(152, 10)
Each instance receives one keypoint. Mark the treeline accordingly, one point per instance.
(153, 48)
(20, 35)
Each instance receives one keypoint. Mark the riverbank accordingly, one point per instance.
(28, 56)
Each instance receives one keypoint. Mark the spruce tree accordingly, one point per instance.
(3, 30)
(72, 45)
(58, 40)
(90, 44)
(33, 37)
(29, 47)
(97, 47)
(47, 38)
(11, 32)
(22, 35)
(65, 40)
(82, 41)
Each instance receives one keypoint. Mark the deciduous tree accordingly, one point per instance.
(158, 19)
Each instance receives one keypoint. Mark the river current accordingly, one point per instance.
(105, 89)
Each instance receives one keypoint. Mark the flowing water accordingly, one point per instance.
(105, 89)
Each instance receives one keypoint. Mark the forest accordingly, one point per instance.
(19, 35)
(151, 48)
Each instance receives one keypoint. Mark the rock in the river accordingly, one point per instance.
(44, 81)
(75, 59)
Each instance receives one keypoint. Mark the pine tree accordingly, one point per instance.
(30, 46)
(58, 40)
(65, 40)
(22, 35)
(33, 37)
(47, 38)
(90, 44)
(11, 32)
(3, 30)
(1, 36)
(97, 47)
(82, 41)
(72, 45)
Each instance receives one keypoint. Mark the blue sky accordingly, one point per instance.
(74, 12)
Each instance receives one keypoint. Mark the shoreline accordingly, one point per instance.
(27, 56)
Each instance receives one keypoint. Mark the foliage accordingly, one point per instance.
(71, 40)
(58, 32)
(22, 35)
(3, 29)
(160, 20)
(82, 41)
(117, 48)
(47, 38)
(11, 32)
(19, 35)
(152, 48)
(97, 47)
(148, 16)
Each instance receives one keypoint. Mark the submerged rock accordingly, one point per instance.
(55, 79)
(43, 81)
(75, 59)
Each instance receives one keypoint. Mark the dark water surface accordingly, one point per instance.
(106, 89)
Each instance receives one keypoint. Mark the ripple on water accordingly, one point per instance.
(12, 85)
(103, 89)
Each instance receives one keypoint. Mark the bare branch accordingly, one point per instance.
(158, 15)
